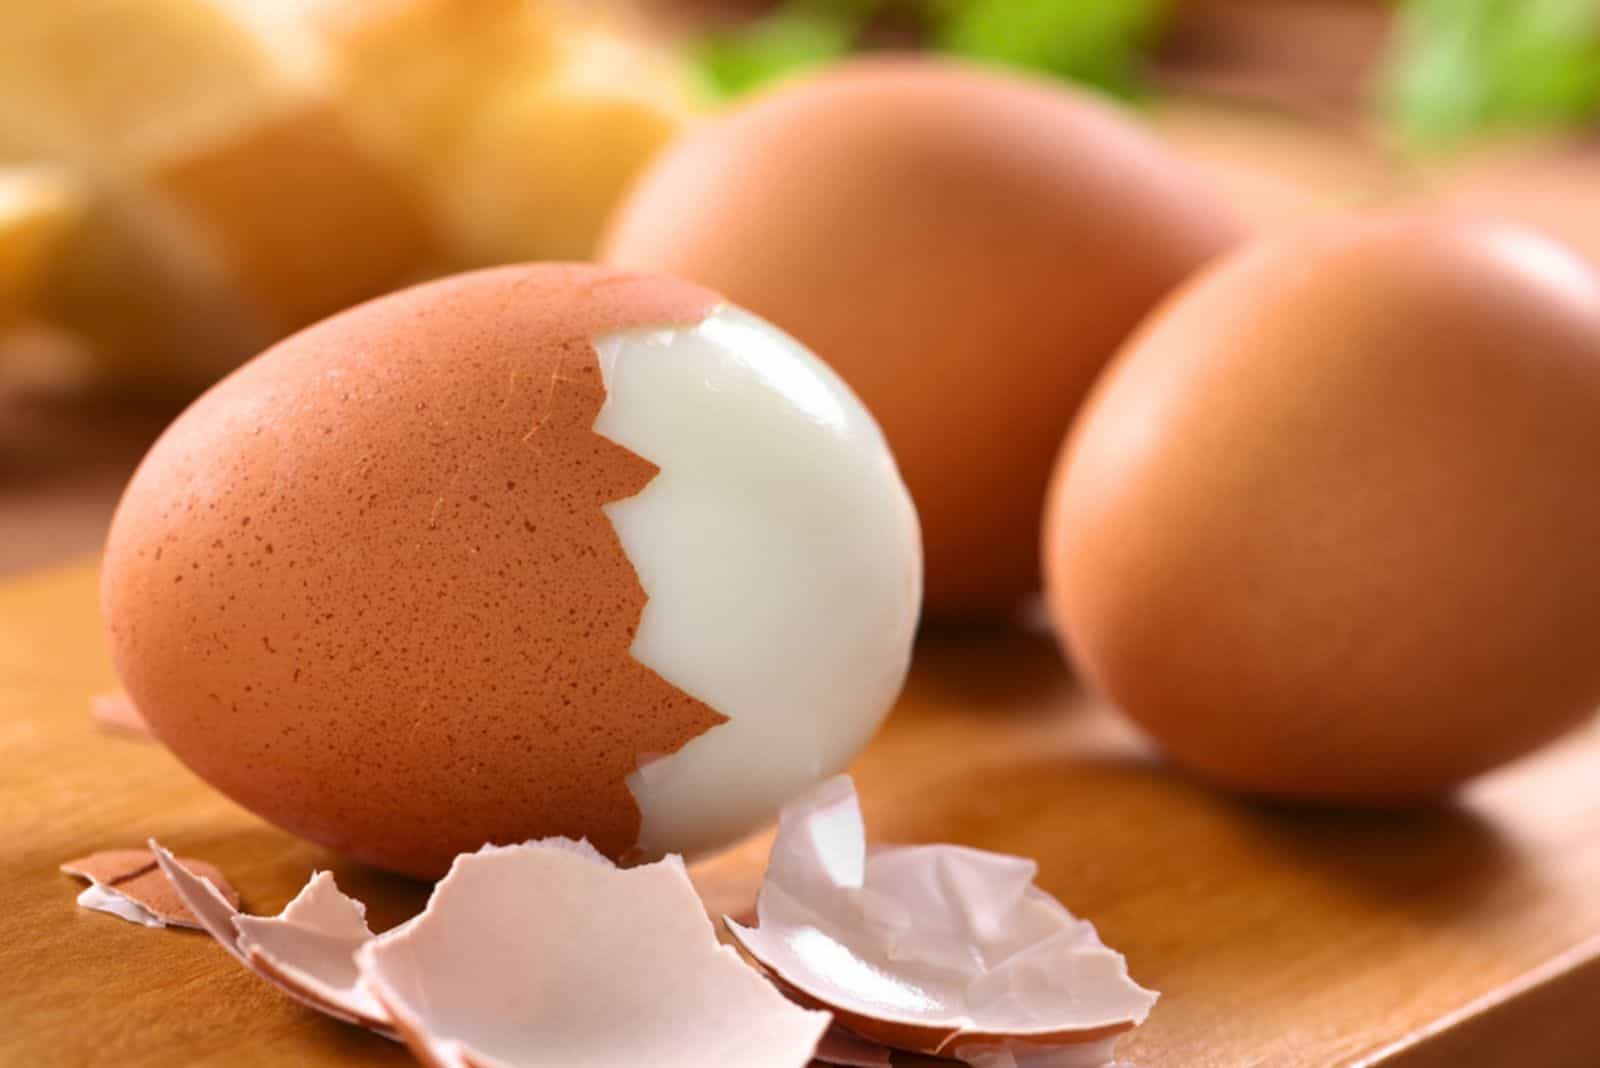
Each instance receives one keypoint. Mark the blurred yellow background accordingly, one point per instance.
(184, 181)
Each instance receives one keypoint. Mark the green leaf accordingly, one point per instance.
(1462, 66)
(1099, 42)
(794, 37)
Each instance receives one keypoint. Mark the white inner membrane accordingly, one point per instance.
(782, 559)
(103, 899)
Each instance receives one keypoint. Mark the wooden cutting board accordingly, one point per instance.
(1464, 936)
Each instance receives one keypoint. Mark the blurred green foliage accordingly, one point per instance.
(793, 37)
(1455, 67)
(1096, 42)
(1462, 66)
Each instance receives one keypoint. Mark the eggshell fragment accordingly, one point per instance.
(311, 944)
(115, 713)
(127, 883)
(306, 950)
(547, 954)
(939, 949)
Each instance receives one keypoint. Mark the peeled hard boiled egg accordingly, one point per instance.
(548, 550)
(965, 248)
(1328, 528)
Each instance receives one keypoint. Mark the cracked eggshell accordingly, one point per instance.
(128, 883)
(307, 951)
(547, 954)
(526, 552)
(1323, 531)
(311, 945)
(113, 713)
(966, 248)
(941, 950)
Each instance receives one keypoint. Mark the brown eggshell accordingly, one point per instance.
(364, 586)
(1327, 527)
(965, 248)
(134, 875)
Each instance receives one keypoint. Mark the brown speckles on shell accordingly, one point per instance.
(365, 586)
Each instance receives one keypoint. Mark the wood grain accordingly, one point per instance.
(1464, 935)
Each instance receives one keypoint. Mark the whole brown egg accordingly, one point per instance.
(1327, 529)
(965, 248)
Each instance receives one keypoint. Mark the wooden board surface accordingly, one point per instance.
(1462, 936)
(63, 462)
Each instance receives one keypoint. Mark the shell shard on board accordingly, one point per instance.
(526, 955)
(306, 951)
(114, 713)
(467, 984)
(941, 950)
(128, 883)
(312, 944)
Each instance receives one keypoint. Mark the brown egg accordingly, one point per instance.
(1551, 185)
(965, 248)
(386, 584)
(1327, 527)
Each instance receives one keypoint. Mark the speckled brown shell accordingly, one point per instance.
(364, 586)
(966, 248)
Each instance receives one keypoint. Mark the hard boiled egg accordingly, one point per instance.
(535, 551)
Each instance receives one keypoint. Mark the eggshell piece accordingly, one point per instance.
(113, 713)
(966, 248)
(365, 586)
(306, 951)
(941, 950)
(98, 898)
(111, 865)
(538, 954)
(128, 883)
(1323, 530)
(311, 945)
